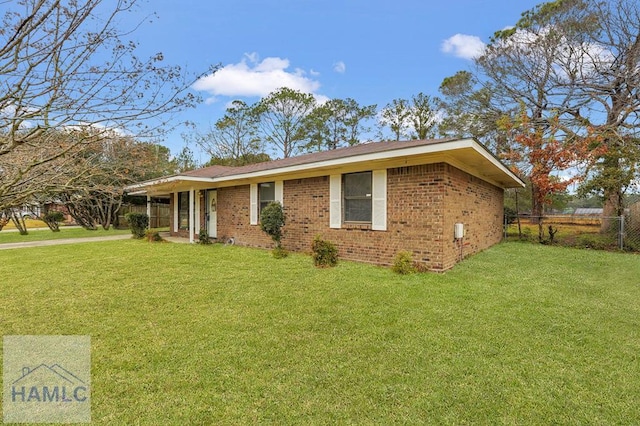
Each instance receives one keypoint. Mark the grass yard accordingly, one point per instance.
(190, 334)
(29, 223)
(579, 233)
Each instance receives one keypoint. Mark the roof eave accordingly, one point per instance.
(449, 146)
(449, 149)
(140, 187)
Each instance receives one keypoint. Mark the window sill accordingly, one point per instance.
(356, 225)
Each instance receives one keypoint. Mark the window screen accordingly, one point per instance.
(357, 197)
(266, 194)
(183, 210)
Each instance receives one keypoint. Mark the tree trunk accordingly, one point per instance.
(613, 199)
(612, 209)
(537, 210)
(18, 221)
(52, 224)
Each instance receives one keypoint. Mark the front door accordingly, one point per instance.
(212, 197)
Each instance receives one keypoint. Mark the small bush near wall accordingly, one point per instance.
(325, 253)
(203, 237)
(153, 236)
(271, 222)
(403, 263)
(279, 253)
(138, 223)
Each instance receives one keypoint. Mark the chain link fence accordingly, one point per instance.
(595, 232)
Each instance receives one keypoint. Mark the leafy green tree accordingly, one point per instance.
(589, 60)
(423, 117)
(234, 139)
(282, 120)
(469, 110)
(523, 73)
(396, 116)
(611, 84)
(336, 123)
(185, 161)
(107, 167)
(244, 160)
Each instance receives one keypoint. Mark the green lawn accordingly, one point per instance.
(190, 334)
(46, 234)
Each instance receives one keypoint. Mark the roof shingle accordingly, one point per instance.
(365, 148)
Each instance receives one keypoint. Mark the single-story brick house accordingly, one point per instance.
(371, 200)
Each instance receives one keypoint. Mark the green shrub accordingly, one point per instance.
(510, 215)
(203, 237)
(272, 221)
(325, 253)
(279, 253)
(153, 236)
(403, 263)
(54, 216)
(420, 267)
(53, 219)
(138, 223)
(596, 241)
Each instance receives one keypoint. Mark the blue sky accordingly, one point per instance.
(372, 51)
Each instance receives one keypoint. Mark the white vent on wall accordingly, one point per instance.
(458, 231)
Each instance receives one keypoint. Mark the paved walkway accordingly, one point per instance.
(44, 243)
(5, 229)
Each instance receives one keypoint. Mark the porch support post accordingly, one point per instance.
(175, 212)
(197, 221)
(149, 211)
(191, 214)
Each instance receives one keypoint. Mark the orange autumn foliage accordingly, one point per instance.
(542, 151)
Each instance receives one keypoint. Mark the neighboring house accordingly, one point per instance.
(588, 211)
(372, 200)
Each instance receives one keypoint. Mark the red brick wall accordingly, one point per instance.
(423, 204)
(479, 206)
(233, 218)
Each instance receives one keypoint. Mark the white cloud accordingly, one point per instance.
(11, 112)
(339, 67)
(99, 127)
(252, 77)
(463, 46)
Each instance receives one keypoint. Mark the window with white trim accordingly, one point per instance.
(183, 210)
(266, 195)
(260, 195)
(356, 197)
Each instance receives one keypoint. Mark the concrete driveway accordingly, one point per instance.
(44, 243)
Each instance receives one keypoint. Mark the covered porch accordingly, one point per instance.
(192, 206)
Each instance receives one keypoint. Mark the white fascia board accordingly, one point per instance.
(140, 186)
(337, 162)
(384, 155)
(486, 154)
